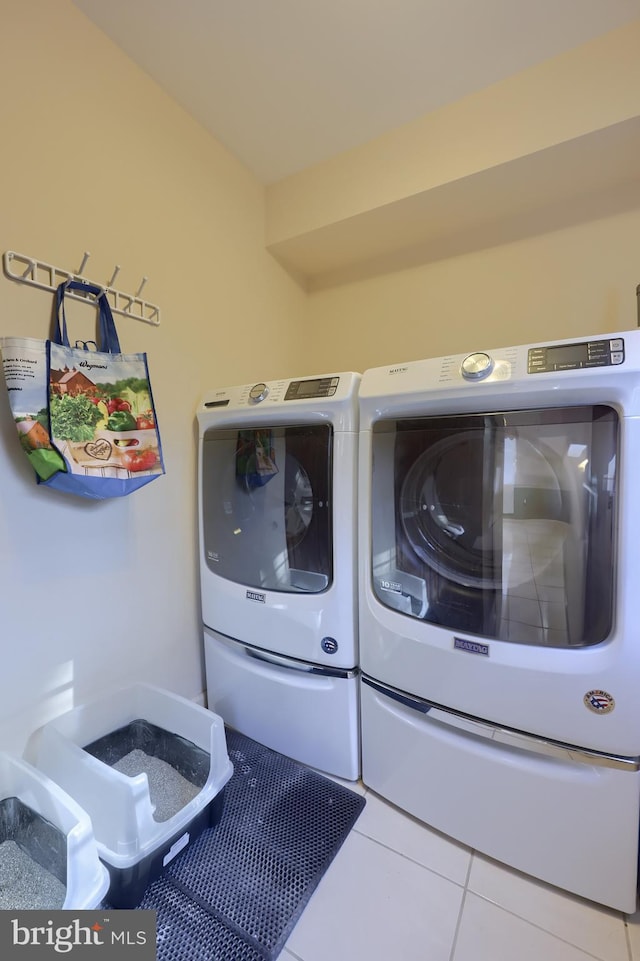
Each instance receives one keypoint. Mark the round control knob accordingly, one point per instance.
(476, 366)
(258, 392)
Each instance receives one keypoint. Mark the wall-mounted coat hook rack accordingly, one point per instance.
(84, 262)
(37, 273)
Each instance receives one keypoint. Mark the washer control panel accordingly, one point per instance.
(588, 353)
(476, 366)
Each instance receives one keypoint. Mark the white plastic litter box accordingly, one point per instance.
(49, 854)
(79, 750)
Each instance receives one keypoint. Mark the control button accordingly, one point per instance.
(258, 392)
(616, 344)
(476, 366)
(617, 357)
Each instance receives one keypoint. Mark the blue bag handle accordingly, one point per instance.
(108, 341)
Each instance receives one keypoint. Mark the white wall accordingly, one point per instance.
(95, 157)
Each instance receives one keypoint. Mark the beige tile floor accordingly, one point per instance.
(398, 891)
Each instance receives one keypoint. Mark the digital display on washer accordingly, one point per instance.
(573, 354)
(317, 387)
(591, 353)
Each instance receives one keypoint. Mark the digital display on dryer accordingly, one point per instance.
(306, 389)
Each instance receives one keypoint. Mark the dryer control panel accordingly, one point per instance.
(315, 387)
(324, 392)
(588, 353)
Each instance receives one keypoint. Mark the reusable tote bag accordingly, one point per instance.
(85, 417)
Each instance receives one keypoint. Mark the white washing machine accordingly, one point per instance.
(500, 603)
(278, 533)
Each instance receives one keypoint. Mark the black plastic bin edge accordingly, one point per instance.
(128, 885)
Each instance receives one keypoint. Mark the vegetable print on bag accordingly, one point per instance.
(85, 418)
(101, 414)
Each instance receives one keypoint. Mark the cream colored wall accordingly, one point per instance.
(529, 147)
(573, 94)
(510, 216)
(570, 283)
(95, 157)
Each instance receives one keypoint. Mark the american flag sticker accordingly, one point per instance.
(600, 702)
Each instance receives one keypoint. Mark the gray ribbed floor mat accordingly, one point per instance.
(237, 891)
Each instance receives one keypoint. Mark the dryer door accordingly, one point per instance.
(500, 525)
(266, 499)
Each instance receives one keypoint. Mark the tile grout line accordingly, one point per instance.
(463, 901)
(406, 857)
(467, 890)
(292, 953)
(627, 936)
(552, 934)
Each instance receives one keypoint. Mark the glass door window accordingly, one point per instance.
(501, 525)
(266, 499)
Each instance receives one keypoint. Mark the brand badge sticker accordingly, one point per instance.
(256, 596)
(329, 645)
(600, 702)
(471, 647)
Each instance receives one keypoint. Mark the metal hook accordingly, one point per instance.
(115, 274)
(84, 262)
(139, 290)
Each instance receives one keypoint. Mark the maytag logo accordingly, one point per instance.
(256, 596)
(471, 647)
(52, 933)
(398, 370)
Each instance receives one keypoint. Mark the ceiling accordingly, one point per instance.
(286, 84)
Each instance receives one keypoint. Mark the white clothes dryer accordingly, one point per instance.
(278, 532)
(499, 603)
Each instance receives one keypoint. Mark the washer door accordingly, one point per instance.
(500, 525)
(265, 501)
